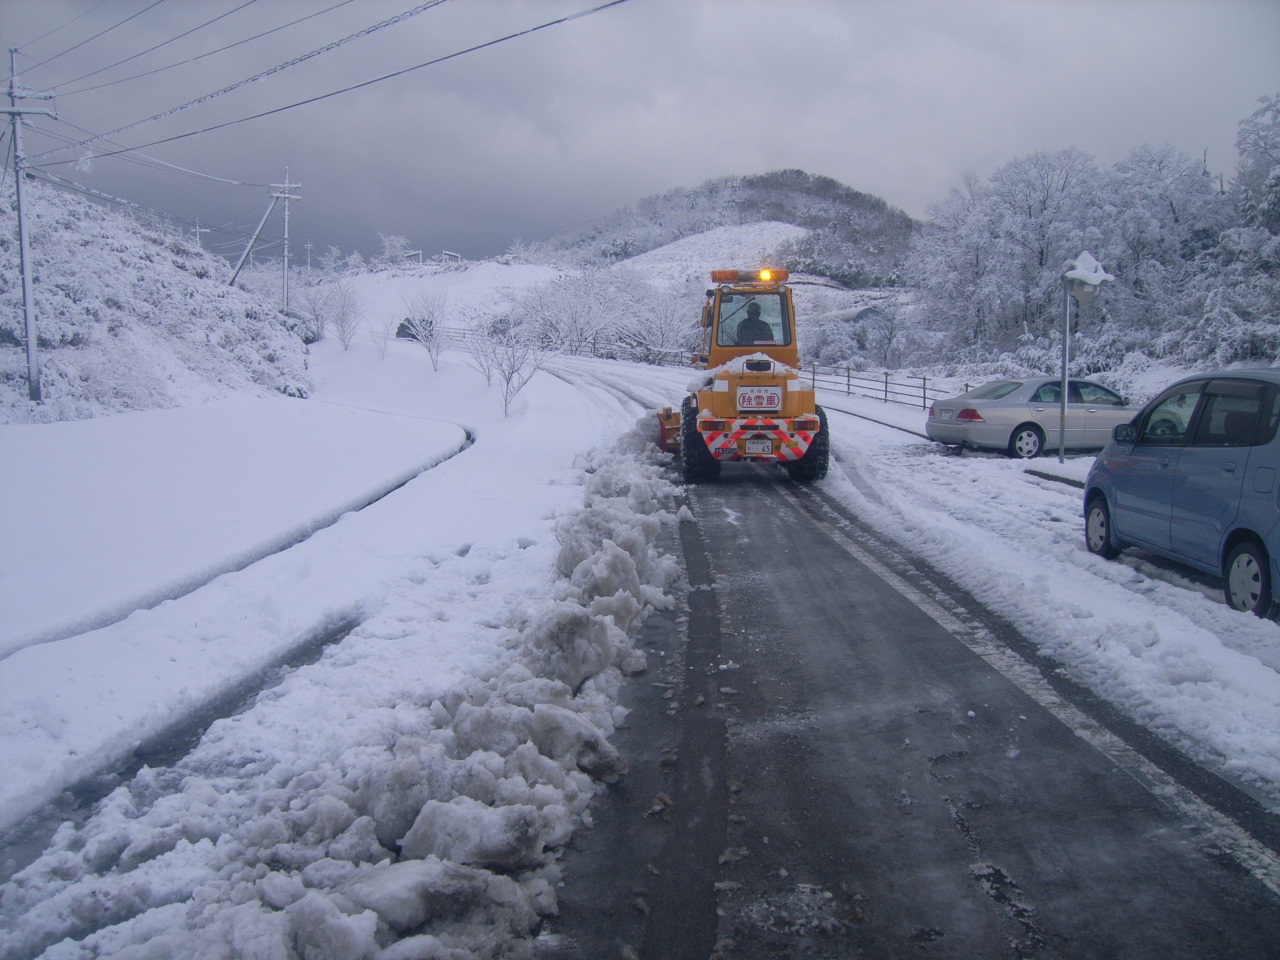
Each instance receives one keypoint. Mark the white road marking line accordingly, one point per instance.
(1213, 828)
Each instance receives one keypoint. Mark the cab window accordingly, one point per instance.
(1166, 421)
(1229, 414)
(753, 319)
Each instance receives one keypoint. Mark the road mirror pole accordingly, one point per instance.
(1081, 278)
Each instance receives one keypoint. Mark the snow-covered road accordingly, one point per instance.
(1155, 640)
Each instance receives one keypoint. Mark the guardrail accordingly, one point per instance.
(914, 391)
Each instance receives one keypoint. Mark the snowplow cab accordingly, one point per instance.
(748, 312)
(752, 405)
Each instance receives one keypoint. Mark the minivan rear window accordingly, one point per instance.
(1229, 414)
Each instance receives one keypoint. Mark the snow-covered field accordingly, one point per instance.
(462, 722)
(433, 760)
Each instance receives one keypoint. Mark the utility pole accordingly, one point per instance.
(16, 114)
(286, 196)
(308, 252)
(200, 230)
(252, 240)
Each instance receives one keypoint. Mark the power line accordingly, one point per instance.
(164, 43)
(82, 13)
(63, 183)
(211, 53)
(235, 86)
(97, 35)
(356, 86)
(183, 63)
(146, 161)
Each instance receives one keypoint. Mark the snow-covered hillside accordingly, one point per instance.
(469, 292)
(129, 317)
(693, 258)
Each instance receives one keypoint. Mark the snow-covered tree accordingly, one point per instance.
(423, 320)
(332, 305)
(1257, 180)
(576, 311)
(956, 261)
(663, 322)
(395, 250)
(1237, 285)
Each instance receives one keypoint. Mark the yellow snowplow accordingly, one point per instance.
(752, 405)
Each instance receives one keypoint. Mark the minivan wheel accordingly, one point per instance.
(1247, 585)
(1026, 442)
(1097, 529)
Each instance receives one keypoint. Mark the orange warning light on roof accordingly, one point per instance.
(749, 276)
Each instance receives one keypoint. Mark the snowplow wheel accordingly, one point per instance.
(813, 465)
(696, 460)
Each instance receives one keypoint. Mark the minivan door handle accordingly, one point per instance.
(1229, 467)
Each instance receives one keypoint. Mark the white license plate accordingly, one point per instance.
(755, 398)
(946, 414)
(759, 446)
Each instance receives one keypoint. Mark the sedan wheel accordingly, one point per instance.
(1027, 442)
(1097, 529)
(1248, 579)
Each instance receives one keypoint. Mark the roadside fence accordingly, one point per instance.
(890, 388)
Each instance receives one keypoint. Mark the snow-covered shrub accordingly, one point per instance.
(424, 317)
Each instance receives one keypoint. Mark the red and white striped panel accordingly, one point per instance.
(788, 444)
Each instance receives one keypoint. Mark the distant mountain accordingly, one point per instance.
(853, 238)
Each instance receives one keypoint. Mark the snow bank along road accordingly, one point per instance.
(802, 750)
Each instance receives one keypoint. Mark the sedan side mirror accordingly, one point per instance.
(1123, 433)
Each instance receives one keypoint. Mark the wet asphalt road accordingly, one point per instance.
(819, 769)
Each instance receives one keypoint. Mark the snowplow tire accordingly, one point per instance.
(813, 465)
(696, 461)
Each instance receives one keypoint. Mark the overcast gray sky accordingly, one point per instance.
(541, 133)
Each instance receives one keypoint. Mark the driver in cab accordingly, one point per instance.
(752, 330)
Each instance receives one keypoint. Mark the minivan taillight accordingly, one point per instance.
(969, 414)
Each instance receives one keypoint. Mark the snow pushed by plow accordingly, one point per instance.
(403, 798)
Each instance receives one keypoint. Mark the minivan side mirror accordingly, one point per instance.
(1123, 433)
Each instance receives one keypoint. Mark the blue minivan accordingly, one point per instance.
(1194, 478)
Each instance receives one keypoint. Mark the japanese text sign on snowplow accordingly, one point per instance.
(759, 398)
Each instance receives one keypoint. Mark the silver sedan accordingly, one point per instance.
(1022, 417)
